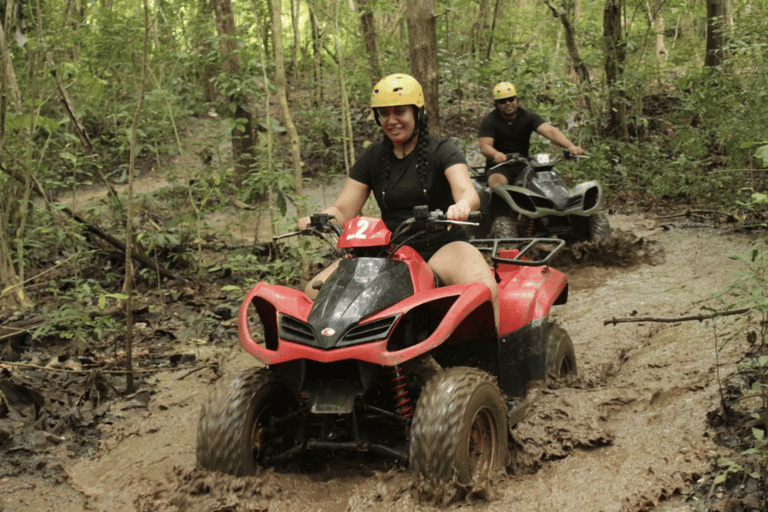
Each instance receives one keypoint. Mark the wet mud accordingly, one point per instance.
(632, 431)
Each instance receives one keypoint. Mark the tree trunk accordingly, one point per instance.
(280, 82)
(561, 12)
(716, 37)
(200, 26)
(243, 134)
(317, 49)
(422, 39)
(657, 23)
(128, 282)
(295, 10)
(480, 33)
(615, 56)
(8, 78)
(493, 28)
(371, 37)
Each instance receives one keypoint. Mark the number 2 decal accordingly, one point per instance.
(362, 227)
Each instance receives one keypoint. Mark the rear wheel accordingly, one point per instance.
(503, 227)
(236, 431)
(599, 228)
(561, 356)
(459, 427)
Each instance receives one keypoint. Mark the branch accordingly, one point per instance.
(615, 321)
(95, 229)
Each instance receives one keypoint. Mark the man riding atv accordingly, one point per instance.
(508, 129)
(522, 195)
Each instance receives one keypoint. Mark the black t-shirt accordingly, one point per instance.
(404, 188)
(514, 137)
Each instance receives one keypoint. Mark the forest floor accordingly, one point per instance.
(640, 428)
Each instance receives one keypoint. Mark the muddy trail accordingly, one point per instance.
(630, 433)
(639, 428)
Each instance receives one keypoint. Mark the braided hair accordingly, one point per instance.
(422, 159)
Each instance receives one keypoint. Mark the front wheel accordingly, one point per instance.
(459, 427)
(599, 228)
(561, 356)
(236, 429)
(503, 227)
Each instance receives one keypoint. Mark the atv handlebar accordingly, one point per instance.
(320, 223)
(517, 157)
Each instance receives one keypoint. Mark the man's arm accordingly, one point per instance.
(486, 148)
(557, 137)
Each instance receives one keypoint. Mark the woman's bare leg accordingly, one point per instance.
(462, 262)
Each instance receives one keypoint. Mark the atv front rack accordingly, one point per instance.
(548, 247)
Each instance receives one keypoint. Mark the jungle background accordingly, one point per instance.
(668, 98)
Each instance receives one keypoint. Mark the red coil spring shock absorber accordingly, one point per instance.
(400, 392)
(531, 228)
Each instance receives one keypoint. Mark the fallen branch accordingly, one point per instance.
(95, 229)
(615, 321)
(99, 370)
(698, 213)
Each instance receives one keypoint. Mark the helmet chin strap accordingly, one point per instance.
(419, 112)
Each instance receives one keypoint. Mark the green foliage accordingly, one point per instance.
(748, 291)
(282, 269)
(75, 314)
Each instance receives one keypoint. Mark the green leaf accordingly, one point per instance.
(762, 154)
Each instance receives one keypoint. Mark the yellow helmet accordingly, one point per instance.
(397, 89)
(503, 90)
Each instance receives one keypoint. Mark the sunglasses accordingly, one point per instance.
(507, 100)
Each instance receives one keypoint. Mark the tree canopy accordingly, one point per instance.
(668, 98)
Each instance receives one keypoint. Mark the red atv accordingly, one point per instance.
(386, 360)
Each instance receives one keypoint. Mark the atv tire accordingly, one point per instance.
(599, 228)
(459, 427)
(561, 356)
(503, 227)
(234, 433)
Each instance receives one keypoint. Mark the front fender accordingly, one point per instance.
(468, 298)
(585, 199)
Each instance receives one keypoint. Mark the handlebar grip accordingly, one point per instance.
(475, 216)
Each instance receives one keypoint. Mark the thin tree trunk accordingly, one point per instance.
(560, 12)
(716, 33)
(200, 26)
(270, 163)
(243, 134)
(493, 28)
(480, 30)
(280, 82)
(128, 283)
(615, 56)
(371, 38)
(8, 76)
(422, 38)
(317, 49)
(346, 119)
(295, 9)
(657, 22)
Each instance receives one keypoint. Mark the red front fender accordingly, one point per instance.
(274, 300)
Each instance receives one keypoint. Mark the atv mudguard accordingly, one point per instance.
(469, 314)
(586, 200)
